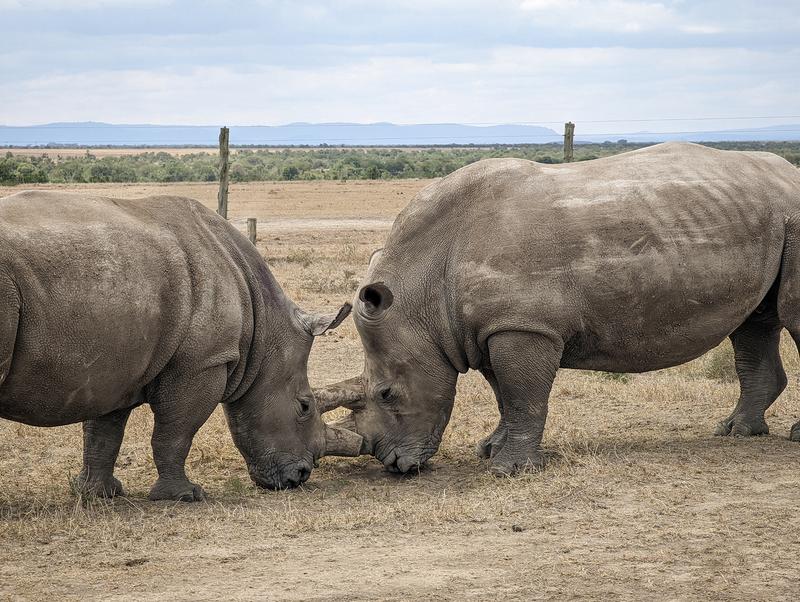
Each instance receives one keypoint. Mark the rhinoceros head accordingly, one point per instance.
(277, 426)
(402, 402)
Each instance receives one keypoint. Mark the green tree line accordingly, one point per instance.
(319, 163)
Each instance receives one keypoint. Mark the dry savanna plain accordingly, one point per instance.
(638, 501)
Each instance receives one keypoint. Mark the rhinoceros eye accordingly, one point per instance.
(385, 393)
(305, 406)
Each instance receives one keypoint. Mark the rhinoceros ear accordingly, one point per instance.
(376, 297)
(375, 255)
(317, 325)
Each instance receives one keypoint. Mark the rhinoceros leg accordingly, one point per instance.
(101, 440)
(794, 432)
(525, 365)
(181, 403)
(492, 444)
(760, 372)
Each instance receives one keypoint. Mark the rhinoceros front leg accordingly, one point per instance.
(181, 403)
(525, 366)
(492, 444)
(102, 438)
(760, 372)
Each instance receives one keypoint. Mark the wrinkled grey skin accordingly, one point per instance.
(629, 263)
(108, 304)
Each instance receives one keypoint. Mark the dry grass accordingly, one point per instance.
(638, 499)
(368, 202)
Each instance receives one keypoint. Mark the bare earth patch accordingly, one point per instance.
(638, 501)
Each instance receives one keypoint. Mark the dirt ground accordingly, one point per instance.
(638, 501)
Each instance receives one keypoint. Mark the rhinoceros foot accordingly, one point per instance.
(90, 487)
(794, 434)
(514, 458)
(491, 445)
(740, 426)
(177, 490)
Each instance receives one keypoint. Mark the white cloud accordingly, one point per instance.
(509, 84)
(625, 16)
(605, 15)
(275, 61)
(74, 5)
(702, 29)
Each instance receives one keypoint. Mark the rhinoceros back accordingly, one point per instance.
(110, 291)
(638, 261)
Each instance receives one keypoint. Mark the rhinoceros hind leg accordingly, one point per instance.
(181, 403)
(525, 365)
(789, 291)
(760, 372)
(794, 432)
(102, 438)
(490, 445)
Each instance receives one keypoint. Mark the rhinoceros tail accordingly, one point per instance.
(10, 307)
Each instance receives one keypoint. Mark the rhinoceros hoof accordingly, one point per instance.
(489, 447)
(740, 428)
(506, 464)
(87, 487)
(794, 434)
(178, 491)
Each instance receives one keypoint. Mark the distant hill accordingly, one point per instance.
(775, 133)
(311, 134)
(350, 134)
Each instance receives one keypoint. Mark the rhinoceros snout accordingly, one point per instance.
(403, 462)
(281, 475)
(296, 476)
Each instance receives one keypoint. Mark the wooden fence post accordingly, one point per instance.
(569, 136)
(222, 196)
(252, 231)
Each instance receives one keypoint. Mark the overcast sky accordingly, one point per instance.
(414, 61)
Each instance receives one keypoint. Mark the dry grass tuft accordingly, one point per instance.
(718, 364)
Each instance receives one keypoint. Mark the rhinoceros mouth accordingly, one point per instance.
(405, 458)
(403, 464)
(399, 461)
(280, 471)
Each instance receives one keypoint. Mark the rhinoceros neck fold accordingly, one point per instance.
(270, 326)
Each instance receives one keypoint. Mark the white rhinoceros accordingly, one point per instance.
(629, 263)
(107, 304)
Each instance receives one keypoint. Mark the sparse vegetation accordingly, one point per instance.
(619, 377)
(302, 256)
(718, 364)
(322, 163)
(343, 282)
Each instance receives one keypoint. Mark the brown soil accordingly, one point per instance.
(639, 500)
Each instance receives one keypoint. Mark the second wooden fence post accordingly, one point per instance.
(222, 196)
(569, 135)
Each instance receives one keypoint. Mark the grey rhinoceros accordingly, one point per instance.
(629, 263)
(107, 304)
